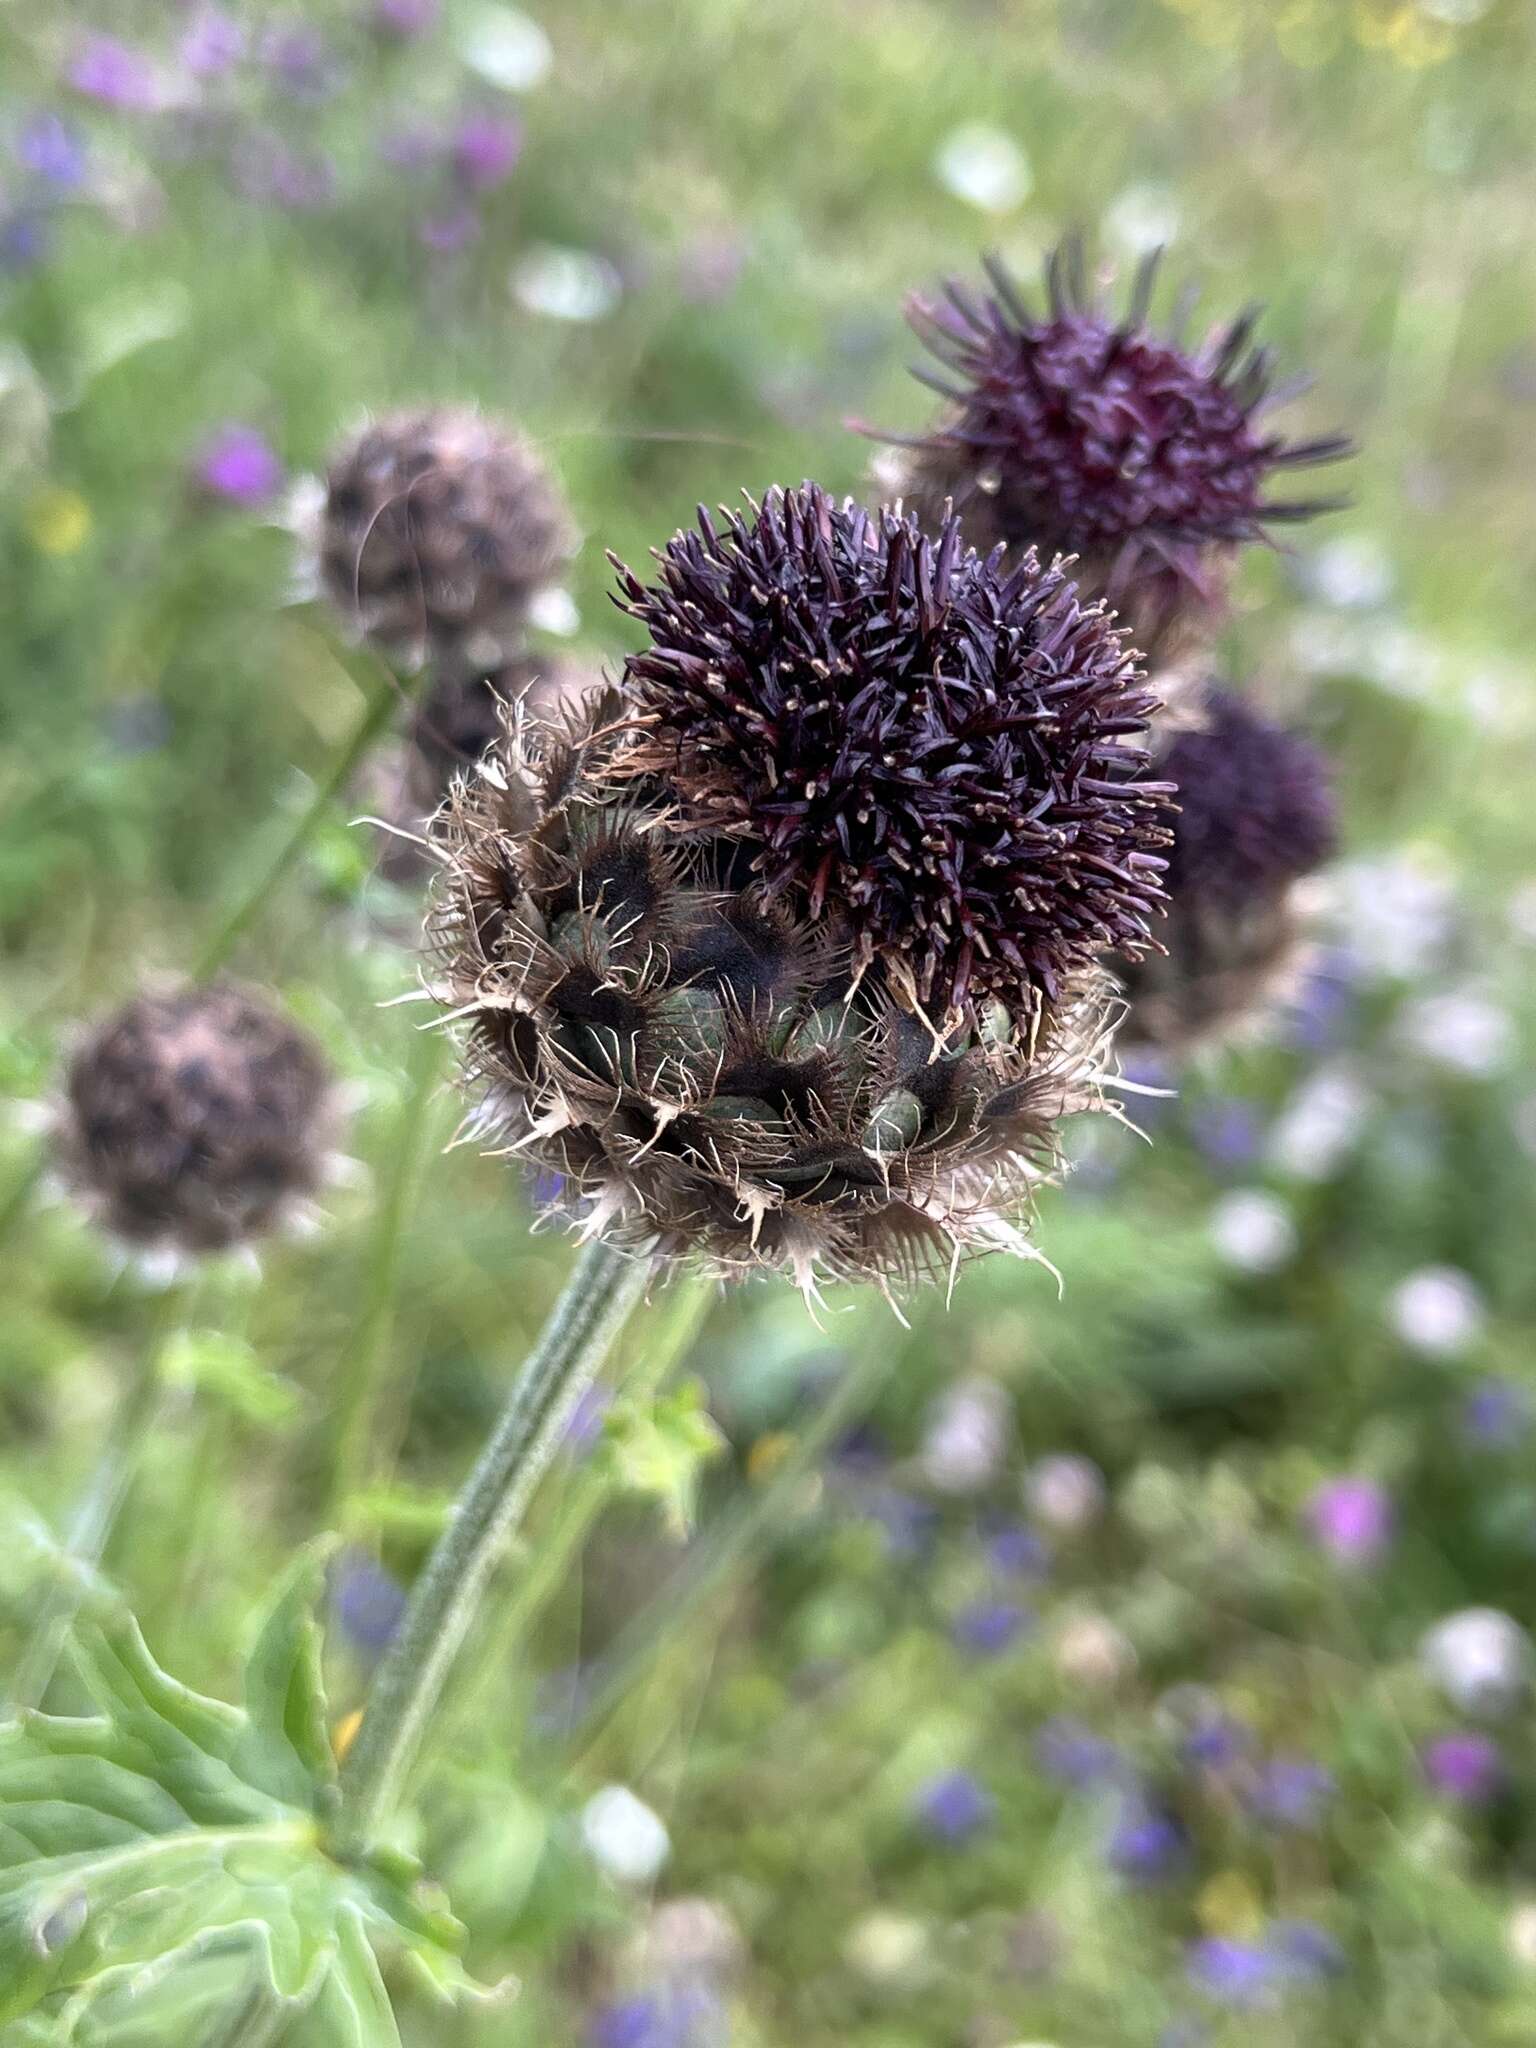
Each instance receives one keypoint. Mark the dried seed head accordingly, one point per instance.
(440, 527)
(691, 1057)
(939, 750)
(1256, 816)
(1084, 432)
(196, 1120)
(459, 719)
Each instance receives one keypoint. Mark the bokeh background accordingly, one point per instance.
(1135, 1667)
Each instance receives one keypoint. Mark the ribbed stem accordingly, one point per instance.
(598, 1297)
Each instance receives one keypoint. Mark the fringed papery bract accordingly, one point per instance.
(941, 748)
(1083, 431)
(440, 528)
(694, 1060)
(1256, 817)
(196, 1119)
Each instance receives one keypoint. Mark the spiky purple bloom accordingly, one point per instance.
(1465, 1766)
(934, 746)
(1352, 1518)
(954, 1806)
(1081, 431)
(1256, 807)
(239, 465)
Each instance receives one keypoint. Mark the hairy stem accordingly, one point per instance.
(598, 1297)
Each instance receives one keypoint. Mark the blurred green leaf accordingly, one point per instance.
(660, 1450)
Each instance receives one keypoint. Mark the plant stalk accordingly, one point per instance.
(602, 1289)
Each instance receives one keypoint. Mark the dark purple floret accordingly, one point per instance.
(1256, 808)
(954, 1806)
(935, 746)
(1090, 432)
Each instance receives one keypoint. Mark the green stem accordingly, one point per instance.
(669, 1338)
(97, 1515)
(363, 1362)
(602, 1289)
(383, 702)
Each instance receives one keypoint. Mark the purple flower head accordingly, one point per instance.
(404, 18)
(1228, 1132)
(1464, 1766)
(411, 148)
(676, 2018)
(52, 150)
(485, 150)
(367, 1602)
(114, 73)
(271, 173)
(988, 1627)
(238, 465)
(300, 60)
(1241, 1974)
(213, 44)
(1496, 1414)
(1069, 1750)
(1352, 1519)
(1291, 1792)
(954, 1807)
(1147, 1845)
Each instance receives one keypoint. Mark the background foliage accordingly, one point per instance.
(938, 1738)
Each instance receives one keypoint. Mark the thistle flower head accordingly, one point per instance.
(1256, 805)
(195, 1120)
(940, 749)
(1256, 816)
(439, 529)
(1087, 432)
(689, 1054)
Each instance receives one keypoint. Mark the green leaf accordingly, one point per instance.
(661, 1448)
(163, 1870)
(230, 1372)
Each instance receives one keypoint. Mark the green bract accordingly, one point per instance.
(163, 1869)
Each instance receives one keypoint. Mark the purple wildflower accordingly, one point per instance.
(300, 60)
(1496, 1414)
(988, 1627)
(586, 1424)
(213, 44)
(404, 18)
(1215, 1742)
(1352, 1518)
(1303, 1951)
(52, 150)
(1291, 1792)
(1242, 1974)
(445, 234)
(24, 240)
(908, 1523)
(1228, 1132)
(1014, 1550)
(1147, 1844)
(1319, 1018)
(485, 151)
(368, 1603)
(1465, 1766)
(1068, 1749)
(238, 465)
(114, 73)
(955, 1806)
